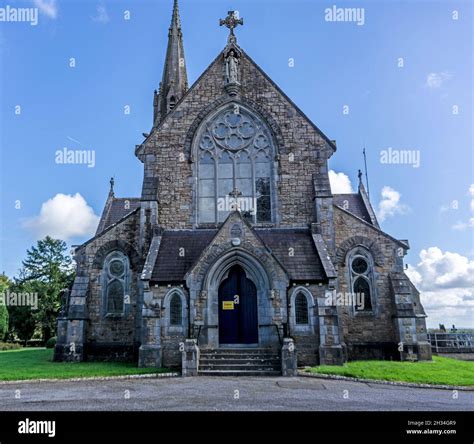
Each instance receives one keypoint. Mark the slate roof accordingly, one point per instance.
(169, 265)
(116, 209)
(304, 265)
(354, 204)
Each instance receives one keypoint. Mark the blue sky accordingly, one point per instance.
(119, 62)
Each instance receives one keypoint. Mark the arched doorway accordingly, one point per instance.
(238, 311)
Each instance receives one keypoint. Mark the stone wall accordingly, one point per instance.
(114, 337)
(171, 338)
(302, 150)
(306, 339)
(367, 335)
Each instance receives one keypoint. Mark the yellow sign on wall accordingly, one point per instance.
(227, 305)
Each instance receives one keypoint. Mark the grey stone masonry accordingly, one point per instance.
(72, 328)
(190, 358)
(289, 365)
(155, 273)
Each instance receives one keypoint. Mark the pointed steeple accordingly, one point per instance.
(174, 83)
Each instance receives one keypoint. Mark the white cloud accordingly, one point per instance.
(461, 226)
(47, 7)
(436, 79)
(446, 284)
(390, 204)
(102, 15)
(64, 216)
(340, 183)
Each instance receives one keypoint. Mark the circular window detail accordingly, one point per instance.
(116, 268)
(359, 265)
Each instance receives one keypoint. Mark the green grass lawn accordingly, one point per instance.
(440, 371)
(37, 363)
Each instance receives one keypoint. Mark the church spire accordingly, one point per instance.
(174, 83)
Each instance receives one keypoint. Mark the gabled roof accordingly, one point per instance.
(330, 142)
(303, 264)
(115, 210)
(354, 204)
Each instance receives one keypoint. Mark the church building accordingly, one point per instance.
(237, 258)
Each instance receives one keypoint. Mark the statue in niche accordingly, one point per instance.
(231, 68)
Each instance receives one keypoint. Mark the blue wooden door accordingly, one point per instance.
(238, 318)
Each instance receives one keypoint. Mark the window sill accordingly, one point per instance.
(114, 315)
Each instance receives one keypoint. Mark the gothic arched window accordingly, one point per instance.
(235, 155)
(176, 309)
(361, 277)
(115, 281)
(301, 309)
(362, 287)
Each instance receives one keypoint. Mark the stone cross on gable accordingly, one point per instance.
(235, 193)
(232, 21)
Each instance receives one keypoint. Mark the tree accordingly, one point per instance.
(4, 284)
(46, 270)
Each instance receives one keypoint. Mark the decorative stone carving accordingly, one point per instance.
(232, 68)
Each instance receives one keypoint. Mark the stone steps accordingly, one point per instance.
(239, 373)
(239, 362)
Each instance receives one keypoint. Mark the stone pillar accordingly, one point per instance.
(331, 351)
(72, 327)
(323, 203)
(150, 353)
(413, 342)
(61, 333)
(289, 364)
(190, 358)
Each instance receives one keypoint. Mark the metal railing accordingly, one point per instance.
(200, 328)
(280, 340)
(452, 342)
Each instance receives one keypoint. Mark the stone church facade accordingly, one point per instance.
(237, 244)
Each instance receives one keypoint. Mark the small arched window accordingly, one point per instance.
(301, 309)
(115, 283)
(176, 310)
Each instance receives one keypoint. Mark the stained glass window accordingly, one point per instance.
(115, 282)
(235, 167)
(361, 277)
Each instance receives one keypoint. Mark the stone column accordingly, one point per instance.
(72, 327)
(413, 343)
(289, 364)
(190, 358)
(61, 334)
(331, 351)
(150, 353)
(323, 202)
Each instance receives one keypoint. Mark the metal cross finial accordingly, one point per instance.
(232, 21)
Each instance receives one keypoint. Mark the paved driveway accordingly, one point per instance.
(213, 393)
